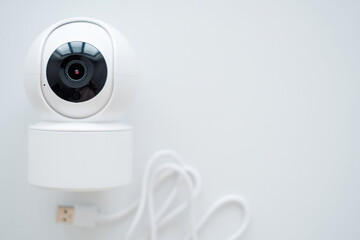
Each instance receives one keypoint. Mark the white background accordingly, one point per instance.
(262, 97)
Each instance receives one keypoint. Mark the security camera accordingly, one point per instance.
(80, 75)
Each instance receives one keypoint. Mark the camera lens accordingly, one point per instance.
(75, 70)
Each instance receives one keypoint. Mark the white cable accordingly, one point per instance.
(156, 172)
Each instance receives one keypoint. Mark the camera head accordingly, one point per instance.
(80, 69)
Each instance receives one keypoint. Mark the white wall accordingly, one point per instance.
(261, 96)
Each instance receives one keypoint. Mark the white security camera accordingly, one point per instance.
(80, 75)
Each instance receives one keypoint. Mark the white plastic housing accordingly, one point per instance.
(81, 146)
(79, 157)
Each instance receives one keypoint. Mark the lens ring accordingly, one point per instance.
(76, 71)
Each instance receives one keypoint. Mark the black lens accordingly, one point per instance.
(75, 70)
(76, 74)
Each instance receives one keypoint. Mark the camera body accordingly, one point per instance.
(80, 74)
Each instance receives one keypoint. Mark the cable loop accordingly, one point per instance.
(156, 173)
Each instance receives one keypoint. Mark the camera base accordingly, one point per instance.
(79, 156)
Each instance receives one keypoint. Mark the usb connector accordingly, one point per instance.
(78, 215)
(65, 214)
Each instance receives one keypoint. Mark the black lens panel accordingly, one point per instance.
(76, 74)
